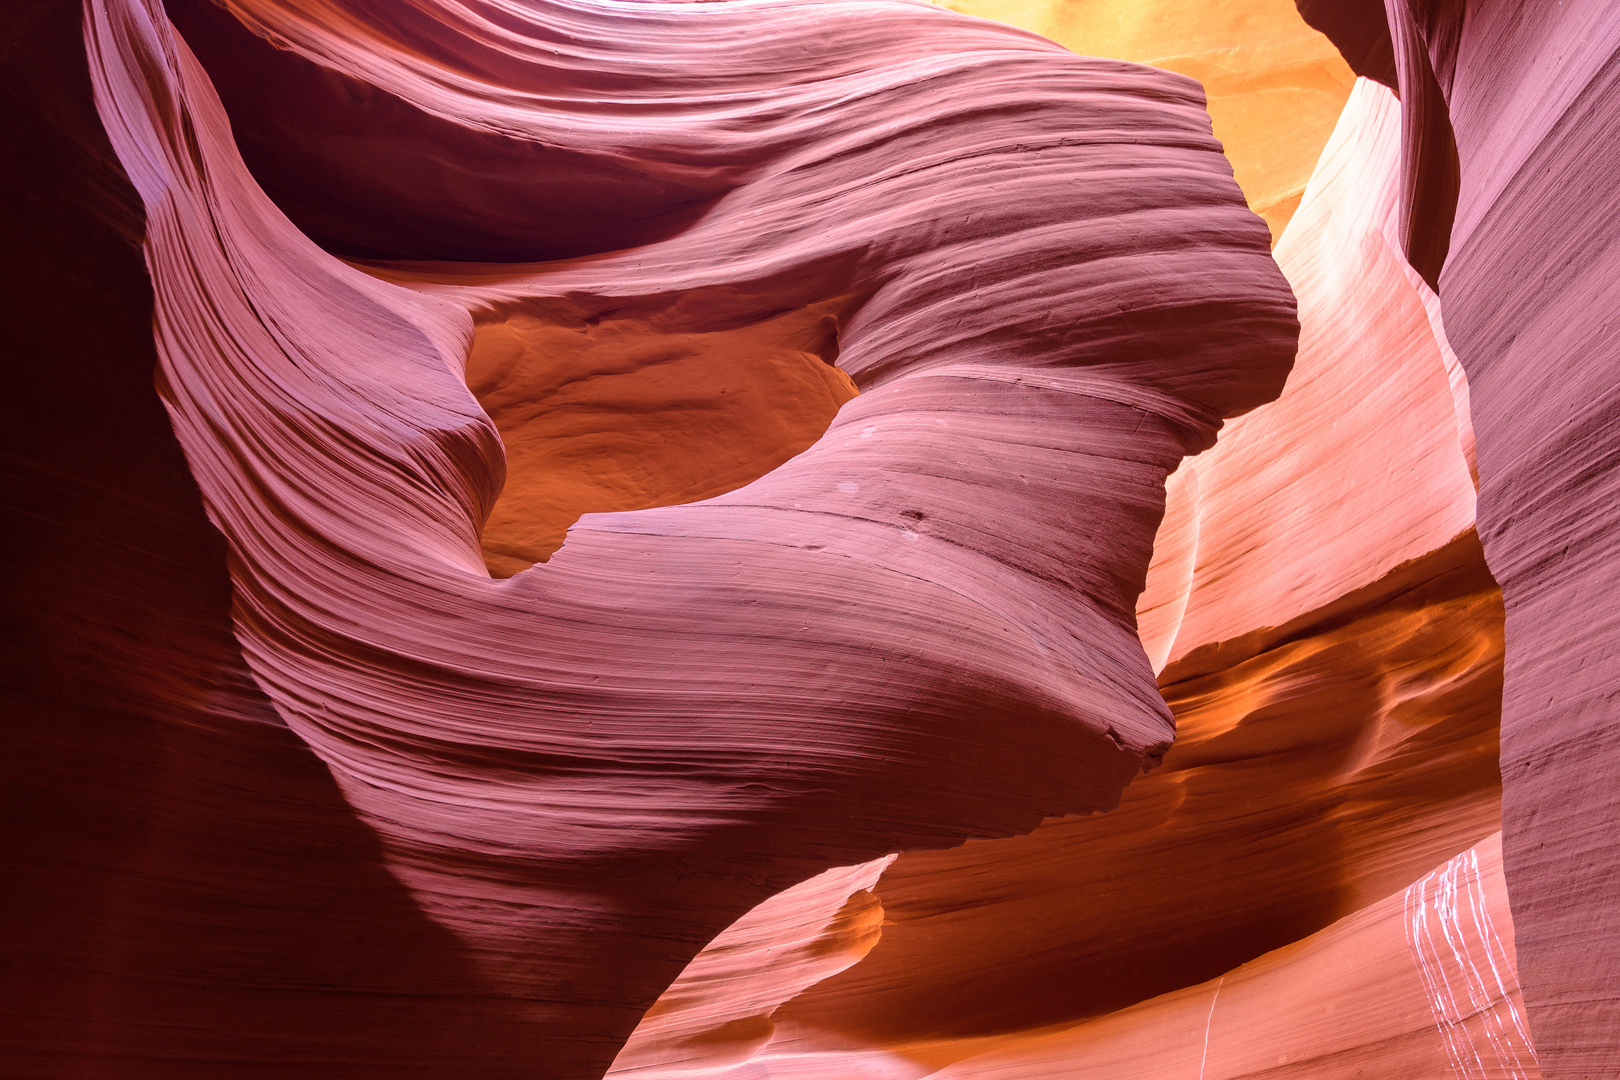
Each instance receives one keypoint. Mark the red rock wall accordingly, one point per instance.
(187, 893)
(378, 712)
(566, 783)
(1273, 86)
(1529, 290)
(1331, 645)
(1531, 92)
(1417, 984)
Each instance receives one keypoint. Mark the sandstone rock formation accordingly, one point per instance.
(1334, 665)
(1529, 283)
(1529, 220)
(1356, 1003)
(916, 631)
(667, 523)
(1273, 87)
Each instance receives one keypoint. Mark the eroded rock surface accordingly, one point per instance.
(917, 630)
(1331, 645)
(1529, 94)
(656, 529)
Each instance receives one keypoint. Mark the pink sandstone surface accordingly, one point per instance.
(580, 774)
(1355, 1001)
(1530, 287)
(1336, 679)
(664, 520)
(1528, 93)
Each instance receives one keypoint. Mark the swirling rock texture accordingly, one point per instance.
(636, 484)
(1336, 740)
(917, 630)
(1356, 1002)
(1538, 213)
(1519, 106)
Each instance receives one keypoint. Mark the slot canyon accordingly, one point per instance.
(811, 540)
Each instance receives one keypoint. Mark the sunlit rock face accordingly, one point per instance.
(1341, 515)
(1273, 86)
(812, 539)
(1518, 104)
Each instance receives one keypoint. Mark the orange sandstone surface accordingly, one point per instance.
(632, 413)
(1274, 85)
(630, 409)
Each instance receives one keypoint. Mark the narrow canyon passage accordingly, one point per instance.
(857, 539)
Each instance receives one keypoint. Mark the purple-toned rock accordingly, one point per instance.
(532, 800)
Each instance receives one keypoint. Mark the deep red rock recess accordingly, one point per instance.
(919, 630)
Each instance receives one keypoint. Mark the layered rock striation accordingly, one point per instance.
(1335, 668)
(640, 538)
(1522, 102)
(1274, 87)
(917, 630)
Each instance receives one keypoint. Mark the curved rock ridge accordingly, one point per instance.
(194, 897)
(1364, 461)
(718, 1013)
(1421, 982)
(622, 460)
(1336, 686)
(1530, 93)
(918, 630)
(1530, 288)
(1275, 85)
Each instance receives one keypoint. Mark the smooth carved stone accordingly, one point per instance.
(1529, 290)
(1362, 997)
(191, 895)
(918, 630)
(1530, 92)
(1336, 683)
(1362, 462)
(1307, 780)
(1275, 85)
(718, 1013)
